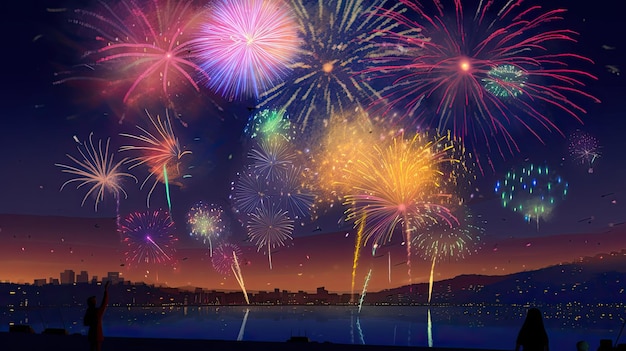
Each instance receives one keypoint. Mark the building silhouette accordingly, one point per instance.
(68, 277)
(83, 277)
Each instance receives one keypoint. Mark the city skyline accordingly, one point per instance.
(302, 266)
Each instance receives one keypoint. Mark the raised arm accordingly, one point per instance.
(105, 299)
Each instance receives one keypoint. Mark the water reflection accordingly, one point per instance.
(243, 325)
(430, 330)
(473, 325)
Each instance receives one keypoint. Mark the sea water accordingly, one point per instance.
(471, 326)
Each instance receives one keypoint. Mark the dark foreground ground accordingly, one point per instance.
(11, 341)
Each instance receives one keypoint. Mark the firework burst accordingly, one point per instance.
(160, 152)
(249, 192)
(226, 262)
(269, 124)
(338, 43)
(148, 237)
(335, 151)
(293, 194)
(246, 45)
(206, 224)
(145, 49)
(436, 242)
(532, 191)
(397, 182)
(270, 227)
(272, 157)
(98, 170)
(584, 149)
(481, 73)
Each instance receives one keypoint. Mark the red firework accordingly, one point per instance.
(144, 50)
(480, 73)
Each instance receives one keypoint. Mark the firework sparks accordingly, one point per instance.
(483, 72)
(269, 124)
(144, 46)
(149, 237)
(271, 227)
(226, 261)
(532, 190)
(246, 45)
(97, 169)
(206, 224)
(338, 43)
(397, 182)
(161, 152)
(293, 194)
(249, 192)
(334, 153)
(584, 149)
(272, 158)
(437, 242)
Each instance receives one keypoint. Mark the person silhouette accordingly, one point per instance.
(93, 319)
(582, 346)
(532, 336)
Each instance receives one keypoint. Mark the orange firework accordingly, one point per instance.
(161, 152)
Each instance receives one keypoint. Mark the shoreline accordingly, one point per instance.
(23, 341)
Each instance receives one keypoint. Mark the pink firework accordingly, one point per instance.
(584, 149)
(226, 258)
(482, 72)
(145, 49)
(148, 237)
(246, 45)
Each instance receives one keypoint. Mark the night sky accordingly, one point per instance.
(40, 121)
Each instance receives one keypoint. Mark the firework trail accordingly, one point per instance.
(480, 73)
(367, 280)
(584, 149)
(237, 272)
(437, 242)
(357, 253)
(161, 152)
(166, 181)
(206, 224)
(389, 265)
(397, 183)
(143, 47)
(226, 261)
(98, 170)
(531, 190)
(246, 45)
(338, 43)
(269, 226)
(148, 237)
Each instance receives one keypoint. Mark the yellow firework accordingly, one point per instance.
(333, 152)
(399, 182)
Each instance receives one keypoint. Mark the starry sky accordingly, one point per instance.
(41, 121)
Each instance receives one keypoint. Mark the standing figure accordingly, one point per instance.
(532, 336)
(93, 319)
